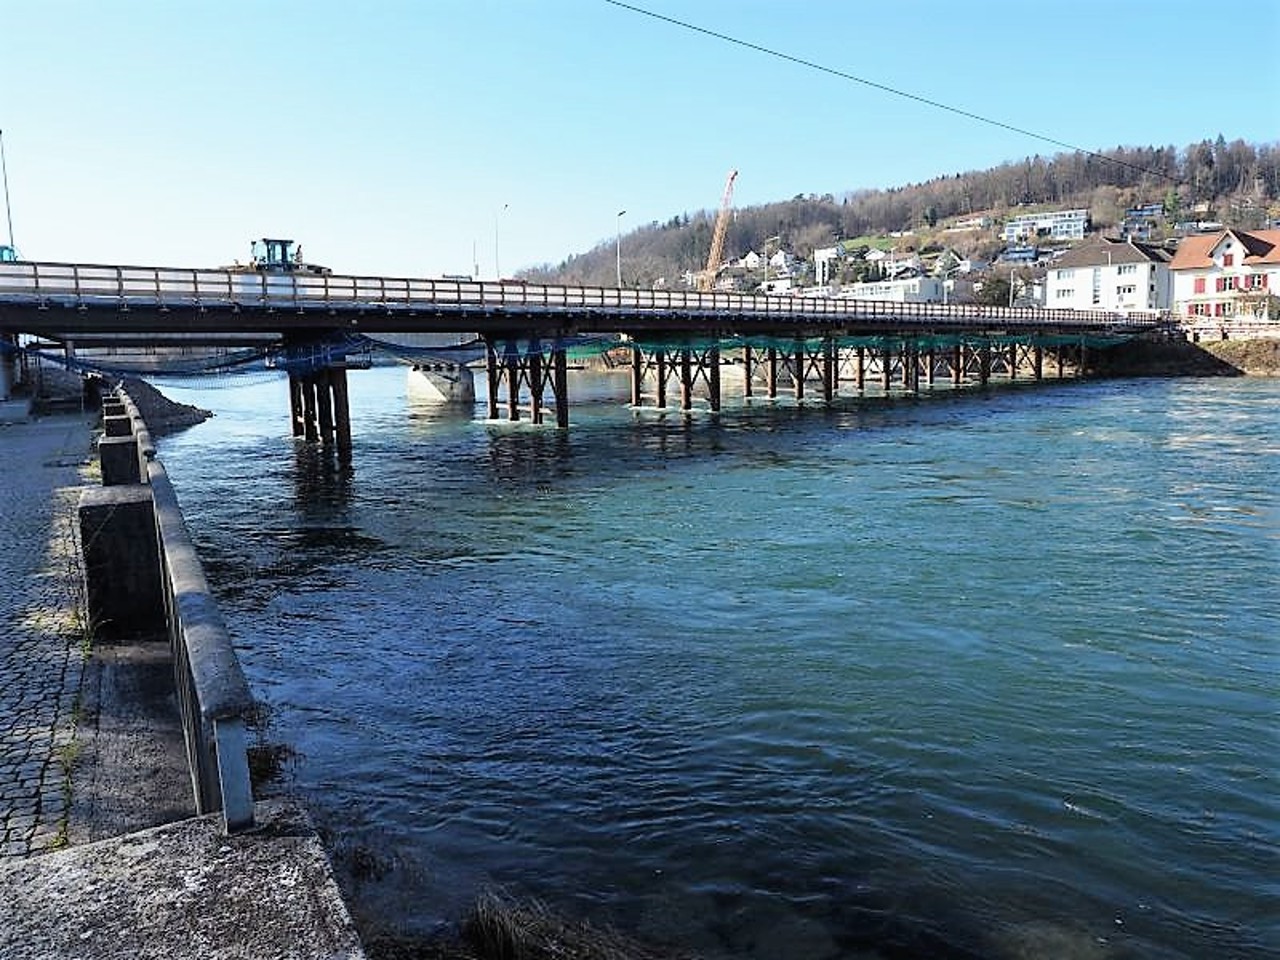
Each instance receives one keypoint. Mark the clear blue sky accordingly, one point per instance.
(393, 137)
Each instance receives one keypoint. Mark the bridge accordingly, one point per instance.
(528, 330)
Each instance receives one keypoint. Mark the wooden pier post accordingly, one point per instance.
(296, 413)
(686, 379)
(828, 370)
(771, 372)
(309, 408)
(662, 379)
(930, 360)
(324, 406)
(491, 374)
(797, 370)
(746, 366)
(713, 376)
(984, 364)
(1037, 369)
(637, 376)
(560, 377)
(513, 382)
(342, 412)
(886, 369)
(861, 369)
(535, 381)
(957, 364)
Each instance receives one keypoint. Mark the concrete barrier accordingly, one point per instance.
(142, 574)
(121, 565)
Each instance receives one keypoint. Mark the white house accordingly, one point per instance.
(1227, 279)
(1053, 224)
(1222, 274)
(1109, 274)
(911, 290)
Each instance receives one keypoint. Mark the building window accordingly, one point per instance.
(1128, 268)
(1125, 290)
(1065, 294)
(1228, 259)
(1064, 274)
(1199, 288)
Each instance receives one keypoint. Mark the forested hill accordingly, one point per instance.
(1234, 182)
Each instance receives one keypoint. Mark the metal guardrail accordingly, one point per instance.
(212, 693)
(93, 285)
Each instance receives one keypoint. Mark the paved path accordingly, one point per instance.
(41, 652)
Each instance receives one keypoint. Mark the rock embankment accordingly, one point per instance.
(161, 414)
(1180, 358)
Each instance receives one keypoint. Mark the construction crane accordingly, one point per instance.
(707, 279)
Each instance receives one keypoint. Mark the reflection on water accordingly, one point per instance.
(989, 676)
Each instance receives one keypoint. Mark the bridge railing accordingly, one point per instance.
(93, 285)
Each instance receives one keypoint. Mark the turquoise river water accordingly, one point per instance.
(985, 675)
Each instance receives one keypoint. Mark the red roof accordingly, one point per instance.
(1261, 247)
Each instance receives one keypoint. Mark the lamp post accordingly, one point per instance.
(619, 247)
(4, 173)
(497, 268)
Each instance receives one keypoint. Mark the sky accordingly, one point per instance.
(481, 137)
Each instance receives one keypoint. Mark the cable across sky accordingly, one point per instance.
(852, 78)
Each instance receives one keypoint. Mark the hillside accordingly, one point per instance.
(1233, 182)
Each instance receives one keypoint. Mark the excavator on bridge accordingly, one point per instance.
(277, 256)
(706, 280)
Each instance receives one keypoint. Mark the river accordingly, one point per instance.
(986, 675)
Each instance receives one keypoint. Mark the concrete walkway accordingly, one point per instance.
(43, 463)
(180, 891)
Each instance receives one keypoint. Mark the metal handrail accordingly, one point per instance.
(83, 285)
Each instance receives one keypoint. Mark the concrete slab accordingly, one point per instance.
(130, 772)
(181, 891)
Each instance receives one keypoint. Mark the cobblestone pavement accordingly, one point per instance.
(43, 464)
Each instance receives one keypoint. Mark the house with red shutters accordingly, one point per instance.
(1228, 281)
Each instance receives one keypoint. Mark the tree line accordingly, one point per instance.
(1238, 180)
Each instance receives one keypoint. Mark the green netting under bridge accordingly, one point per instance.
(921, 342)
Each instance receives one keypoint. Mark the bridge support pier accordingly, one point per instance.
(320, 409)
(535, 369)
(694, 365)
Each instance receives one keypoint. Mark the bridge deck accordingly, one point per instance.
(63, 299)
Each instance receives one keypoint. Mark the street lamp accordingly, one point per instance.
(497, 269)
(4, 172)
(619, 247)
(767, 241)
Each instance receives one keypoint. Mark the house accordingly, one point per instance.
(1227, 278)
(751, 261)
(1110, 274)
(911, 290)
(1053, 225)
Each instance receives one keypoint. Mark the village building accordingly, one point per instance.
(1108, 274)
(1229, 282)
(1051, 225)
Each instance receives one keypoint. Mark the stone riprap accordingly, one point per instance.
(42, 468)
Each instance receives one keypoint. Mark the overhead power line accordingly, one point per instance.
(936, 104)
